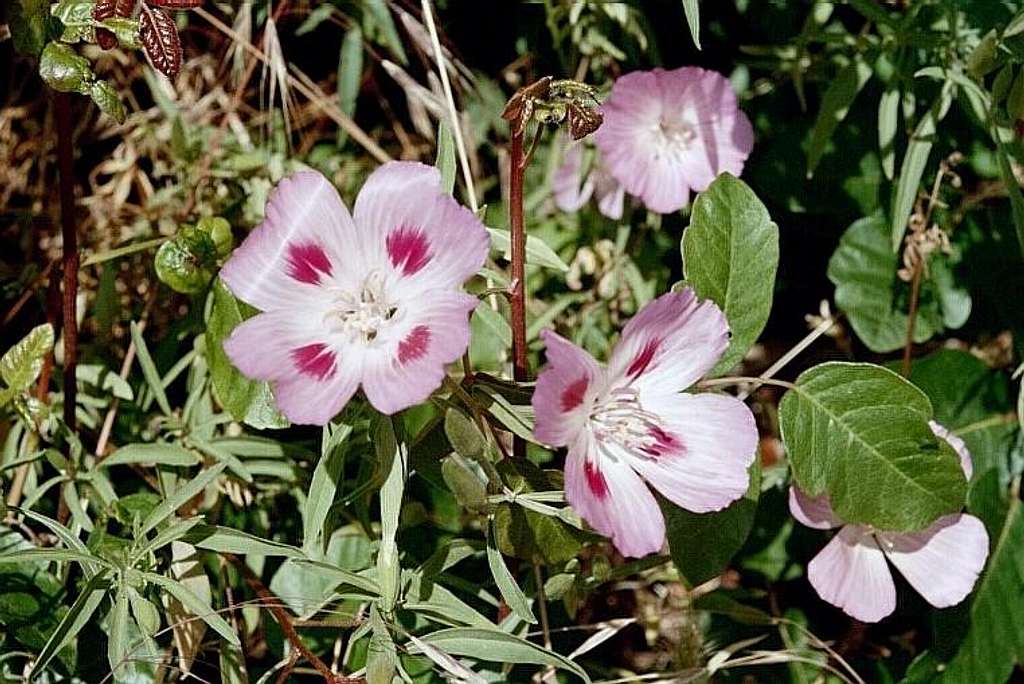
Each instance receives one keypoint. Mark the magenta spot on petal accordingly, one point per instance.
(572, 396)
(595, 480)
(408, 249)
(644, 358)
(664, 443)
(414, 345)
(314, 360)
(307, 261)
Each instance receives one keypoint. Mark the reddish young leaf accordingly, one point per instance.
(124, 8)
(160, 38)
(103, 9)
(105, 38)
(177, 4)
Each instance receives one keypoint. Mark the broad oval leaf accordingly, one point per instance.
(730, 255)
(860, 433)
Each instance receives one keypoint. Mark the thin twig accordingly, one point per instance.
(915, 293)
(520, 370)
(795, 351)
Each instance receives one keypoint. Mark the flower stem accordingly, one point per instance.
(69, 233)
(520, 370)
(915, 293)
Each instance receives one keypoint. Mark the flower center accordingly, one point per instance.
(361, 317)
(677, 133)
(621, 419)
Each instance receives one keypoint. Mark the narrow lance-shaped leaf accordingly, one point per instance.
(350, 75)
(76, 618)
(860, 433)
(510, 591)
(180, 497)
(149, 370)
(888, 119)
(117, 643)
(323, 487)
(835, 105)
(194, 604)
(692, 10)
(391, 457)
(730, 255)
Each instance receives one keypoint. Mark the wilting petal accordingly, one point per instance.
(670, 344)
(959, 446)
(570, 187)
(942, 562)
(406, 368)
(307, 237)
(613, 499)
(812, 511)
(565, 391)
(418, 231)
(700, 458)
(850, 573)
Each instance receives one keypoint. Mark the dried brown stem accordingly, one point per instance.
(517, 172)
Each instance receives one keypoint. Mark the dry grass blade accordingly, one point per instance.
(275, 73)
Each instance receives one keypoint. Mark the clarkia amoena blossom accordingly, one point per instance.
(666, 133)
(941, 562)
(373, 298)
(629, 422)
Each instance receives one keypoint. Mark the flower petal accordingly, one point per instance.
(570, 188)
(565, 391)
(404, 369)
(703, 450)
(812, 511)
(942, 562)
(418, 231)
(306, 237)
(613, 499)
(312, 378)
(851, 573)
(959, 446)
(670, 344)
(611, 196)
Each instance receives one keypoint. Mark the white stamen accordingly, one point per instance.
(362, 317)
(621, 419)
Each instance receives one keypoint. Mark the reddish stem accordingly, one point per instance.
(915, 293)
(520, 369)
(65, 162)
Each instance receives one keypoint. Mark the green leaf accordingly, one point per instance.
(391, 457)
(22, 363)
(323, 487)
(703, 544)
(341, 576)
(229, 540)
(464, 435)
(379, 23)
(469, 490)
(381, 657)
(117, 645)
(537, 251)
(835, 104)
(446, 156)
(64, 70)
(914, 162)
(860, 433)
(73, 622)
(249, 401)
(888, 119)
(180, 497)
(692, 10)
(106, 98)
(149, 370)
(510, 591)
(146, 615)
(105, 379)
(499, 647)
(993, 645)
(863, 269)
(194, 604)
(54, 555)
(1013, 190)
(233, 463)
(730, 255)
(162, 454)
(350, 75)
(28, 23)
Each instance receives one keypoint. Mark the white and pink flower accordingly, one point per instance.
(372, 299)
(941, 562)
(629, 422)
(667, 133)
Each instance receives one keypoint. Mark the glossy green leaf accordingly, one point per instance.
(703, 544)
(28, 22)
(21, 364)
(860, 433)
(835, 105)
(499, 647)
(730, 255)
(108, 100)
(65, 70)
(249, 401)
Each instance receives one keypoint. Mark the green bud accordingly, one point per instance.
(65, 70)
(219, 231)
(186, 263)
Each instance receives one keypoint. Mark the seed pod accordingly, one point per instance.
(160, 38)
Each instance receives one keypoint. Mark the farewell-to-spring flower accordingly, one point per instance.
(371, 299)
(574, 185)
(941, 562)
(629, 422)
(667, 133)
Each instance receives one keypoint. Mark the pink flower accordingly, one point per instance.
(573, 188)
(666, 133)
(629, 422)
(941, 562)
(373, 299)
